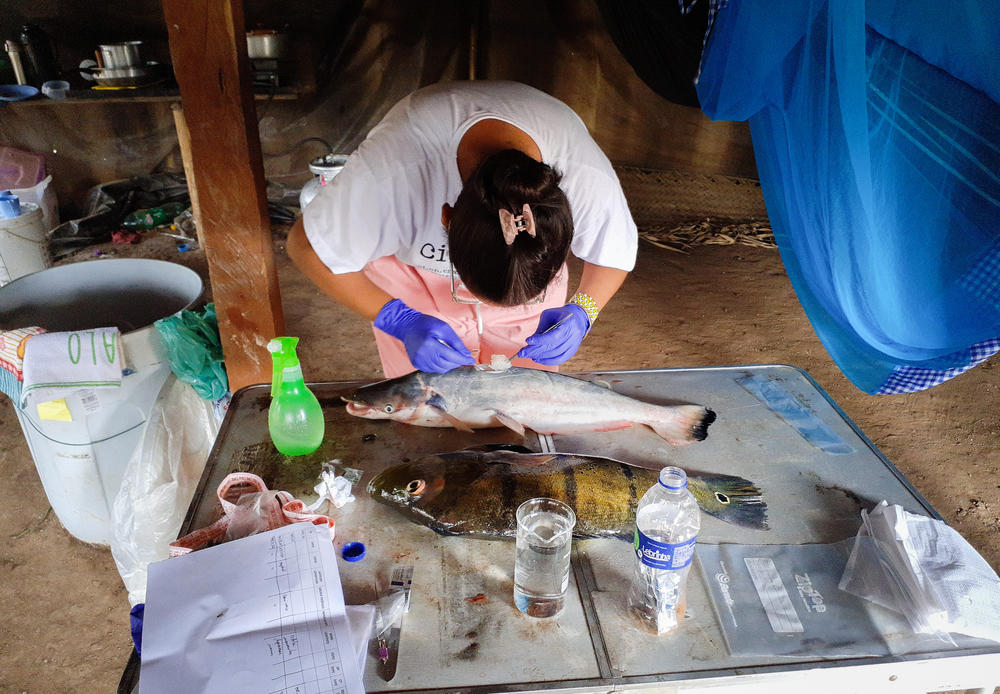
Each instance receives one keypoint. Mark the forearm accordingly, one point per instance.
(601, 283)
(353, 289)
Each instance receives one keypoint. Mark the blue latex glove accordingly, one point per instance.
(560, 332)
(430, 343)
(135, 616)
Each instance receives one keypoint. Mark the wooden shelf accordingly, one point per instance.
(147, 94)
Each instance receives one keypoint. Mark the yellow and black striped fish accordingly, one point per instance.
(476, 492)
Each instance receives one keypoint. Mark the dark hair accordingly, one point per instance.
(489, 268)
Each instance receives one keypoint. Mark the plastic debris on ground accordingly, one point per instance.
(125, 237)
(109, 203)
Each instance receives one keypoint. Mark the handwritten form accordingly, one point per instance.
(262, 614)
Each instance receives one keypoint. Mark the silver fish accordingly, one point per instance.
(542, 401)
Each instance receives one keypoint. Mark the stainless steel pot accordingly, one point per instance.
(121, 55)
(266, 44)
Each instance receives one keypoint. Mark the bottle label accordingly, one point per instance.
(659, 555)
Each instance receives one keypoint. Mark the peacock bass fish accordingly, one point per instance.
(476, 492)
(468, 398)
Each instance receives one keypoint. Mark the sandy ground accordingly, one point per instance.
(65, 611)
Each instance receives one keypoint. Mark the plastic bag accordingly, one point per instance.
(248, 508)
(250, 515)
(159, 482)
(924, 569)
(362, 621)
(388, 610)
(43, 195)
(194, 350)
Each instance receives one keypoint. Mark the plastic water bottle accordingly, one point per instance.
(666, 529)
(153, 217)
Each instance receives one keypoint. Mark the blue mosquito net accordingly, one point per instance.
(876, 130)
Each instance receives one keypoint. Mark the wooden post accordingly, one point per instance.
(209, 54)
(184, 142)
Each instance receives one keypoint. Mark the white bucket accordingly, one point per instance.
(81, 462)
(22, 244)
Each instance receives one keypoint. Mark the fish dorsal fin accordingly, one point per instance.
(438, 403)
(492, 447)
(531, 459)
(509, 422)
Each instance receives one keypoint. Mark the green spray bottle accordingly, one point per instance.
(295, 419)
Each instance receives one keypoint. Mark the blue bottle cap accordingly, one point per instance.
(353, 551)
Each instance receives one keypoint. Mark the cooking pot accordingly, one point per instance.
(266, 44)
(121, 55)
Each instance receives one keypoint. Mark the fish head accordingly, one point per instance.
(434, 491)
(402, 399)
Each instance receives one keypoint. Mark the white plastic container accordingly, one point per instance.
(43, 195)
(22, 244)
(81, 462)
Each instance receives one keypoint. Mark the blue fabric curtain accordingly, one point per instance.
(876, 129)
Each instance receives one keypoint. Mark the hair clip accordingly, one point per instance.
(511, 226)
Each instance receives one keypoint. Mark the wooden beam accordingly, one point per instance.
(209, 54)
(184, 142)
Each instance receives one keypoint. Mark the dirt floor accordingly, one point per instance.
(65, 614)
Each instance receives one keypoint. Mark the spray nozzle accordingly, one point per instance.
(283, 357)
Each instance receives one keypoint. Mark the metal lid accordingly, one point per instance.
(327, 164)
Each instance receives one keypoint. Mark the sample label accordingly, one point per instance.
(89, 400)
(773, 596)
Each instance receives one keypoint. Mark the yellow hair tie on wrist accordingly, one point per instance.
(587, 303)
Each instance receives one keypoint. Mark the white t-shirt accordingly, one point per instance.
(387, 199)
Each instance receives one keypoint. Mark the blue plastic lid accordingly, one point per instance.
(353, 551)
(17, 92)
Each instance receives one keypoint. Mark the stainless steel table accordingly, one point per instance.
(775, 427)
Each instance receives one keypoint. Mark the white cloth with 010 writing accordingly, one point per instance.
(58, 364)
(264, 614)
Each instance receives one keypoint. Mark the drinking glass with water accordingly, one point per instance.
(541, 561)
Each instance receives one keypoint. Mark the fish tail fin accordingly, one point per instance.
(731, 499)
(686, 424)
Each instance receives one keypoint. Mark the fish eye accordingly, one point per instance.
(721, 498)
(388, 409)
(416, 487)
